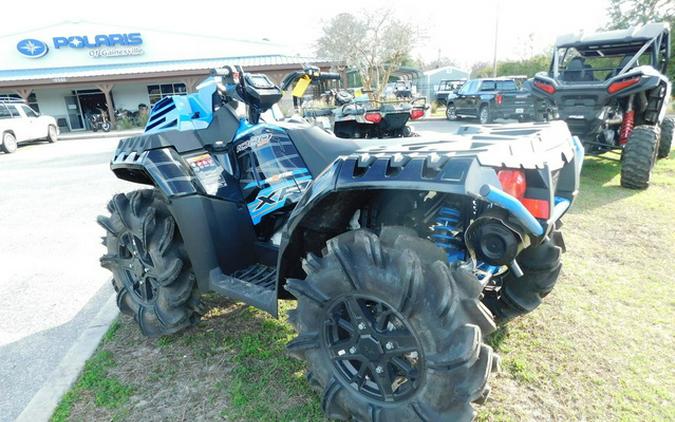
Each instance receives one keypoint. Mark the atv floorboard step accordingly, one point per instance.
(254, 285)
(258, 274)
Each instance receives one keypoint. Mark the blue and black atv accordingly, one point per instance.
(403, 255)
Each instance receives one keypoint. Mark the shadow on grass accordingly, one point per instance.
(496, 339)
(597, 187)
(263, 382)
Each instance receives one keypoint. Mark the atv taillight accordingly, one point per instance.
(617, 86)
(373, 117)
(538, 207)
(544, 86)
(514, 183)
(416, 113)
(499, 98)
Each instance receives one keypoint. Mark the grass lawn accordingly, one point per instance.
(599, 348)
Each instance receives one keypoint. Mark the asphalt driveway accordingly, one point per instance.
(50, 282)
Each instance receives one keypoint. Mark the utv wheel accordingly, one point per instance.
(9, 144)
(520, 295)
(484, 115)
(451, 112)
(638, 157)
(51, 134)
(666, 141)
(390, 332)
(152, 275)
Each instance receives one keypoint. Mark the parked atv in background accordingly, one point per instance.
(325, 92)
(349, 115)
(364, 118)
(402, 254)
(612, 90)
(100, 121)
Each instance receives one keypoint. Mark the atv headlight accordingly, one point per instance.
(208, 172)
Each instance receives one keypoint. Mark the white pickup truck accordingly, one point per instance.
(20, 123)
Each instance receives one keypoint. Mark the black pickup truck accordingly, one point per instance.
(490, 99)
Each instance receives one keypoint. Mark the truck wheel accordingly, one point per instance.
(389, 331)
(9, 144)
(51, 134)
(666, 141)
(520, 295)
(451, 112)
(152, 275)
(638, 157)
(484, 115)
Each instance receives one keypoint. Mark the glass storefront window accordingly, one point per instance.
(157, 92)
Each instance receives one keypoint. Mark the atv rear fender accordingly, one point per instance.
(327, 207)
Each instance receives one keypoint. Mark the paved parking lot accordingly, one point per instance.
(50, 282)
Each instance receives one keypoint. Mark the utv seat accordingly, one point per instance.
(573, 71)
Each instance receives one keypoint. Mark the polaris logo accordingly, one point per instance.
(32, 48)
(97, 41)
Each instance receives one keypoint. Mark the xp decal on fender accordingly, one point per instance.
(402, 254)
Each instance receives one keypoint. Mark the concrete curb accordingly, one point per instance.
(44, 402)
(98, 135)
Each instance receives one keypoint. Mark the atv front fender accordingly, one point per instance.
(162, 168)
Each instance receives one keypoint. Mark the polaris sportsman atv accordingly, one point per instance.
(402, 255)
(375, 119)
(351, 117)
(612, 90)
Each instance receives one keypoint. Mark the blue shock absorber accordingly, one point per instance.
(445, 233)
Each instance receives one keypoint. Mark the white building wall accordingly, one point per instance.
(51, 101)
(129, 96)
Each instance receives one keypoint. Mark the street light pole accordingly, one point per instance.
(494, 56)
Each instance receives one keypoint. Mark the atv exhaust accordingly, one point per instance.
(514, 206)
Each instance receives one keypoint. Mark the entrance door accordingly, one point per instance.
(92, 101)
(74, 113)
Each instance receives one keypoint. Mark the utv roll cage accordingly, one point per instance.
(632, 43)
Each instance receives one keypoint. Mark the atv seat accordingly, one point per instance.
(318, 148)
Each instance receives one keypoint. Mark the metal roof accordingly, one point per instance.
(150, 67)
(639, 33)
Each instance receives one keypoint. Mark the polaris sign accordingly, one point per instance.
(97, 41)
(102, 45)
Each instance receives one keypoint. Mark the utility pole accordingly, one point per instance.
(494, 56)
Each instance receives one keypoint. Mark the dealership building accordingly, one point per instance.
(71, 70)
